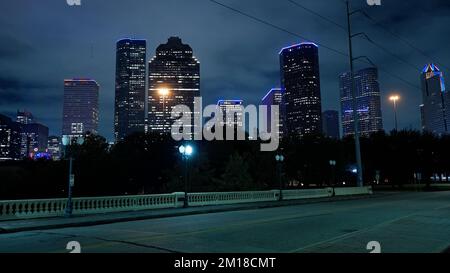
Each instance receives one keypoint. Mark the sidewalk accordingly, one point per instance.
(12, 226)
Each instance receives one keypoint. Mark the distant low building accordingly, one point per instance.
(24, 117)
(330, 125)
(54, 147)
(274, 98)
(34, 139)
(233, 111)
(9, 139)
(231, 118)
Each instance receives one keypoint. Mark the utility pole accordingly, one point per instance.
(355, 103)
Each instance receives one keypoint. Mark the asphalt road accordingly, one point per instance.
(403, 222)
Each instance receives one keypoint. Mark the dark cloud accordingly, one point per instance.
(13, 90)
(11, 48)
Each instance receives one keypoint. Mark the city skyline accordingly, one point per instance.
(125, 47)
(189, 128)
(252, 71)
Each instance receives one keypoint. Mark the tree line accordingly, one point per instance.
(151, 164)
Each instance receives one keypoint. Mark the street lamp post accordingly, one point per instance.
(394, 99)
(67, 141)
(354, 97)
(164, 92)
(280, 159)
(186, 151)
(333, 167)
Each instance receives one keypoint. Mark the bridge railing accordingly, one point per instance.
(224, 198)
(307, 194)
(352, 191)
(23, 209)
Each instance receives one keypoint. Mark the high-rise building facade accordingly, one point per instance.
(300, 78)
(174, 79)
(80, 110)
(331, 124)
(10, 139)
(435, 110)
(368, 100)
(274, 98)
(130, 87)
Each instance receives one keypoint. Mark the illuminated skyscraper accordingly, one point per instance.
(174, 79)
(368, 102)
(435, 109)
(300, 78)
(274, 98)
(80, 111)
(130, 88)
(10, 139)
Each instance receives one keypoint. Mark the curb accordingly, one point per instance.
(186, 213)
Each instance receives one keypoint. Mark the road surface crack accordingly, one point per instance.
(111, 241)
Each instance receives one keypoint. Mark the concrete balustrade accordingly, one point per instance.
(307, 194)
(31, 208)
(123, 203)
(352, 191)
(224, 198)
(23, 209)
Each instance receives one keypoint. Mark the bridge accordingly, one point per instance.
(331, 220)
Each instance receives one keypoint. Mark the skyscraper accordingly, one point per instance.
(331, 124)
(174, 79)
(300, 78)
(80, 111)
(274, 98)
(435, 109)
(9, 139)
(130, 87)
(368, 100)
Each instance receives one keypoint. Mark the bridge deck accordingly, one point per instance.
(404, 222)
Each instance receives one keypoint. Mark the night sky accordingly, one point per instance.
(46, 41)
